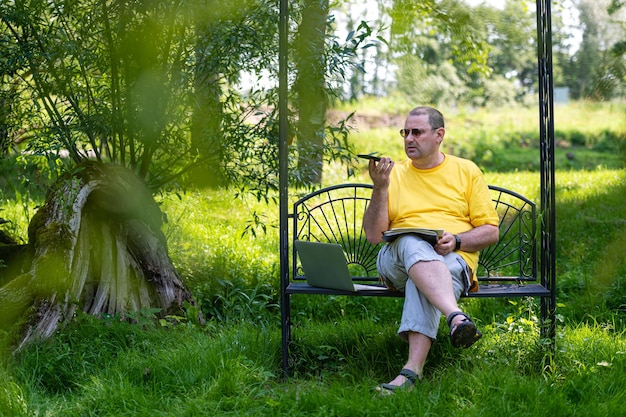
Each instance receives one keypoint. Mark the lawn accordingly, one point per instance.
(343, 347)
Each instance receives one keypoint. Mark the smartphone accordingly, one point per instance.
(364, 156)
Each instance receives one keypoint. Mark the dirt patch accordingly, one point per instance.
(362, 120)
(365, 120)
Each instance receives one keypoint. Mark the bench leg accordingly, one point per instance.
(285, 312)
(548, 320)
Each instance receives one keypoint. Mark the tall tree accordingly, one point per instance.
(595, 71)
(231, 39)
(113, 81)
(512, 37)
(435, 46)
(616, 8)
(104, 78)
(118, 81)
(321, 62)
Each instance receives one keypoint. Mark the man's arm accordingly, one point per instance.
(473, 240)
(376, 217)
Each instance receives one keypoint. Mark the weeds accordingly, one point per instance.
(233, 302)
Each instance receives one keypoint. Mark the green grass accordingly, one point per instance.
(95, 369)
(343, 346)
(587, 135)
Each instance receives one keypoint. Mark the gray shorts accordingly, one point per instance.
(396, 258)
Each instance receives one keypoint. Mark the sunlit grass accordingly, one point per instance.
(345, 346)
(586, 117)
(590, 117)
(18, 213)
(235, 370)
(587, 135)
(204, 224)
(576, 185)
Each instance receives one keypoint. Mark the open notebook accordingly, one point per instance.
(325, 266)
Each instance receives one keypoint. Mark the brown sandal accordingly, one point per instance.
(465, 334)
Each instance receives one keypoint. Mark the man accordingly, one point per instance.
(437, 191)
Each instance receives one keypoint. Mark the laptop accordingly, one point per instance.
(325, 266)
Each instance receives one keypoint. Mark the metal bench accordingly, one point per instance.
(334, 215)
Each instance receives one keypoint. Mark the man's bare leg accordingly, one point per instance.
(419, 346)
(434, 281)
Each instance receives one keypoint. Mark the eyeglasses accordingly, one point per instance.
(415, 132)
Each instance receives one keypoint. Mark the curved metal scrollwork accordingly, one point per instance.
(335, 215)
(513, 257)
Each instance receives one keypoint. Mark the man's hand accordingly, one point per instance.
(446, 244)
(379, 172)
(376, 217)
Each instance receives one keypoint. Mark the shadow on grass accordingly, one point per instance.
(591, 242)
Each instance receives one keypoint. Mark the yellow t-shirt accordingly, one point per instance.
(452, 196)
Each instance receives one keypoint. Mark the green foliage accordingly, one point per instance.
(482, 55)
(12, 400)
(597, 70)
(115, 81)
(445, 22)
(157, 87)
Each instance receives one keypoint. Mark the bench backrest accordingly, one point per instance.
(334, 215)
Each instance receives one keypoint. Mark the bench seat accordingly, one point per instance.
(485, 291)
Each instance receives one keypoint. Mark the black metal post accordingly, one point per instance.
(546, 125)
(283, 127)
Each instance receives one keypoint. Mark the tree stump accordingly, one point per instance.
(96, 245)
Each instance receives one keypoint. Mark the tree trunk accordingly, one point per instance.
(96, 245)
(206, 123)
(311, 89)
